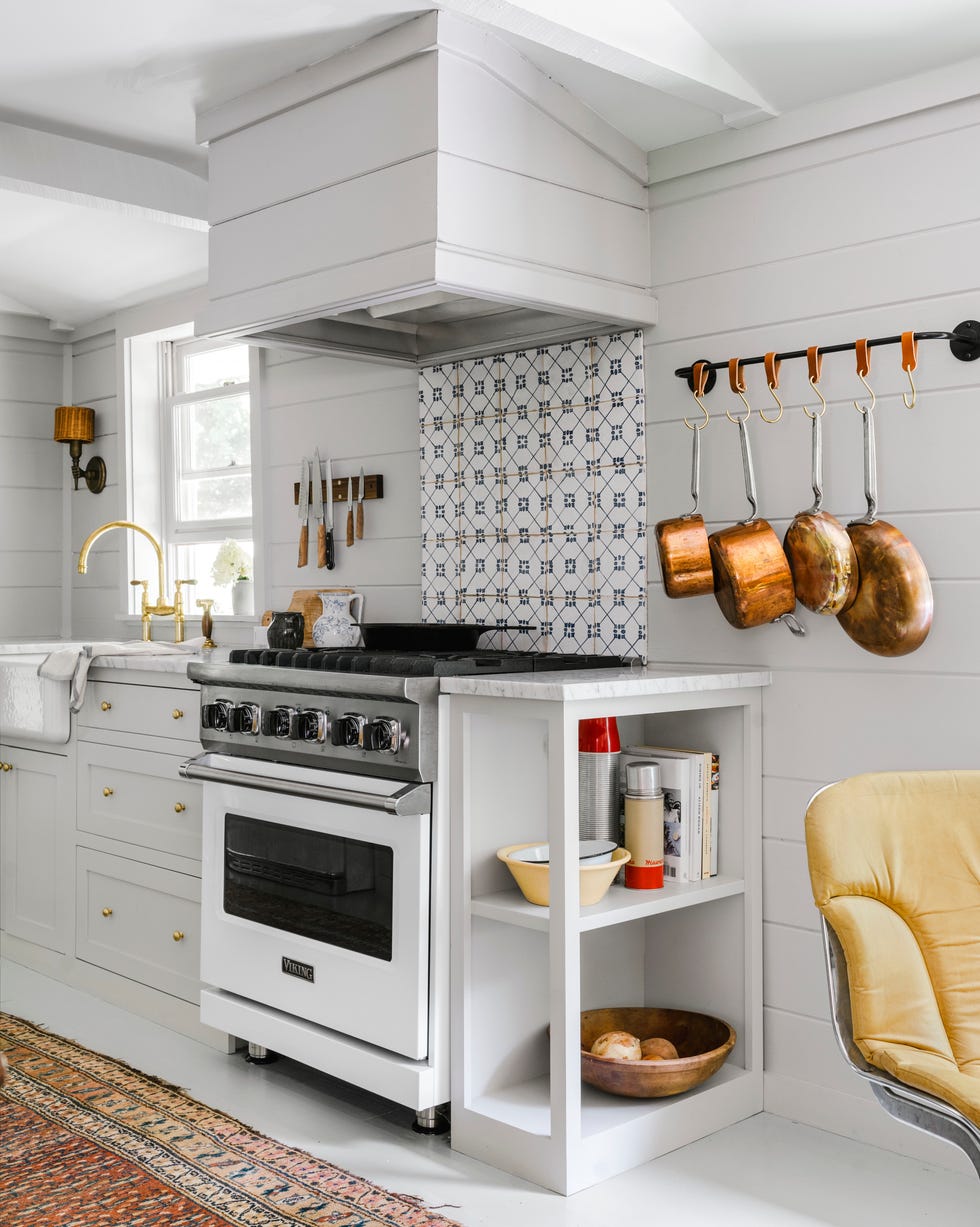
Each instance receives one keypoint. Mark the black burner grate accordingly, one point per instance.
(421, 664)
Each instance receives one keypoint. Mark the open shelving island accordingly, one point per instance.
(522, 974)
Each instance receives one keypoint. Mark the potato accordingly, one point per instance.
(617, 1046)
(657, 1049)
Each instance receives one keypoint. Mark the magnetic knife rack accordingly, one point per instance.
(964, 343)
(374, 487)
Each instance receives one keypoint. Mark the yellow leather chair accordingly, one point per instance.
(895, 867)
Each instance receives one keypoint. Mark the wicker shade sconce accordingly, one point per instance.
(75, 425)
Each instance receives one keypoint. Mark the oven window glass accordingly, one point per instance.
(325, 887)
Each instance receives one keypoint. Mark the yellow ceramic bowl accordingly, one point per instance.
(532, 878)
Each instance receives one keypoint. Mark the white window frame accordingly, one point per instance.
(174, 532)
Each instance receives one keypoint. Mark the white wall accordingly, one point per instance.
(866, 234)
(33, 480)
(357, 413)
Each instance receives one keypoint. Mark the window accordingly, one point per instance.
(207, 464)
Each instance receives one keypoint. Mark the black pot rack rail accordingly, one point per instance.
(964, 343)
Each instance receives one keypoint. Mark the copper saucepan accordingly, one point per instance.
(821, 556)
(752, 580)
(682, 543)
(892, 612)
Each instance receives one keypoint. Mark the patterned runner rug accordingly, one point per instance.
(85, 1141)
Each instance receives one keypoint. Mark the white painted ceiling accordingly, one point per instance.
(130, 77)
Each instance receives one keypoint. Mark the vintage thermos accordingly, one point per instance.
(644, 826)
(598, 779)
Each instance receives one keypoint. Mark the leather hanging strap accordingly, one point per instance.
(910, 351)
(735, 376)
(700, 374)
(863, 357)
(772, 364)
(814, 363)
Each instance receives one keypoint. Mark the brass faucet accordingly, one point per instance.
(147, 611)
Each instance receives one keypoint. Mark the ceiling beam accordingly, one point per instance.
(97, 176)
(647, 41)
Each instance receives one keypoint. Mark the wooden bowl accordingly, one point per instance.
(702, 1042)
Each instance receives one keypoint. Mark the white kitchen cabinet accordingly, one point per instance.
(139, 921)
(521, 971)
(36, 820)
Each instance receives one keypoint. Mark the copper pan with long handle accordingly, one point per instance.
(752, 580)
(818, 548)
(682, 543)
(892, 612)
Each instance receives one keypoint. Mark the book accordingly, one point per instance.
(704, 803)
(680, 821)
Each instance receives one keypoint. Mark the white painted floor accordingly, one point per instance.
(762, 1172)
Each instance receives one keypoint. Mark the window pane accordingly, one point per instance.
(195, 562)
(215, 368)
(216, 498)
(217, 434)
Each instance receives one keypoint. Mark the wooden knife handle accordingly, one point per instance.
(350, 525)
(360, 521)
(304, 545)
(321, 544)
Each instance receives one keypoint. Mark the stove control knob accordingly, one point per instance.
(348, 730)
(215, 715)
(244, 718)
(277, 721)
(383, 735)
(310, 724)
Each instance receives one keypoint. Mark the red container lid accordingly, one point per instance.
(598, 736)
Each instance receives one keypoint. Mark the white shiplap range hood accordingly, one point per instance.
(426, 194)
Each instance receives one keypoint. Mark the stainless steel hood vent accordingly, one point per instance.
(426, 194)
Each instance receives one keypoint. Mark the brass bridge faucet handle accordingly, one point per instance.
(179, 608)
(144, 607)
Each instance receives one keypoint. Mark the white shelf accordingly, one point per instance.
(527, 1105)
(618, 906)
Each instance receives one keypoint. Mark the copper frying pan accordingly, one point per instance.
(821, 556)
(892, 612)
(752, 579)
(682, 543)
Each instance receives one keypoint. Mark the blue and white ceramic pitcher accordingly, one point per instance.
(339, 625)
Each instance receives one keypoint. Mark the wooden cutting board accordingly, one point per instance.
(307, 602)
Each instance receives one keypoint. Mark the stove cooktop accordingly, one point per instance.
(421, 664)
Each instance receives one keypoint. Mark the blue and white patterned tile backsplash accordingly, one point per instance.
(533, 469)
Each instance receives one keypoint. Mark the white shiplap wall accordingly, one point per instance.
(865, 234)
(357, 413)
(33, 480)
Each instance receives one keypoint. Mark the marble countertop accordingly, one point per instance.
(648, 679)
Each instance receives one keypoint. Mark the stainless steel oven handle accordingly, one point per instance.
(413, 799)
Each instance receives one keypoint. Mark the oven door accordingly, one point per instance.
(315, 896)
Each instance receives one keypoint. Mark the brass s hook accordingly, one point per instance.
(737, 381)
(699, 375)
(910, 361)
(814, 362)
(863, 370)
(771, 363)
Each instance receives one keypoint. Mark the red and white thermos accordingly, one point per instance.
(598, 779)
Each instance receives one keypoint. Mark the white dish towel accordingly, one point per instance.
(72, 664)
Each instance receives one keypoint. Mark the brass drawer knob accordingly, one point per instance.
(107, 911)
(107, 792)
(177, 714)
(6, 766)
(179, 807)
(178, 935)
(106, 706)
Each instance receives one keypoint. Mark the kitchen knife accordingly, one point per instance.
(321, 538)
(350, 511)
(329, 516)
(304, 512)
(360, 505)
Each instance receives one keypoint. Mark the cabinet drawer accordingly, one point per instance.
(139, 797)
(160, 711)
(139, 921)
